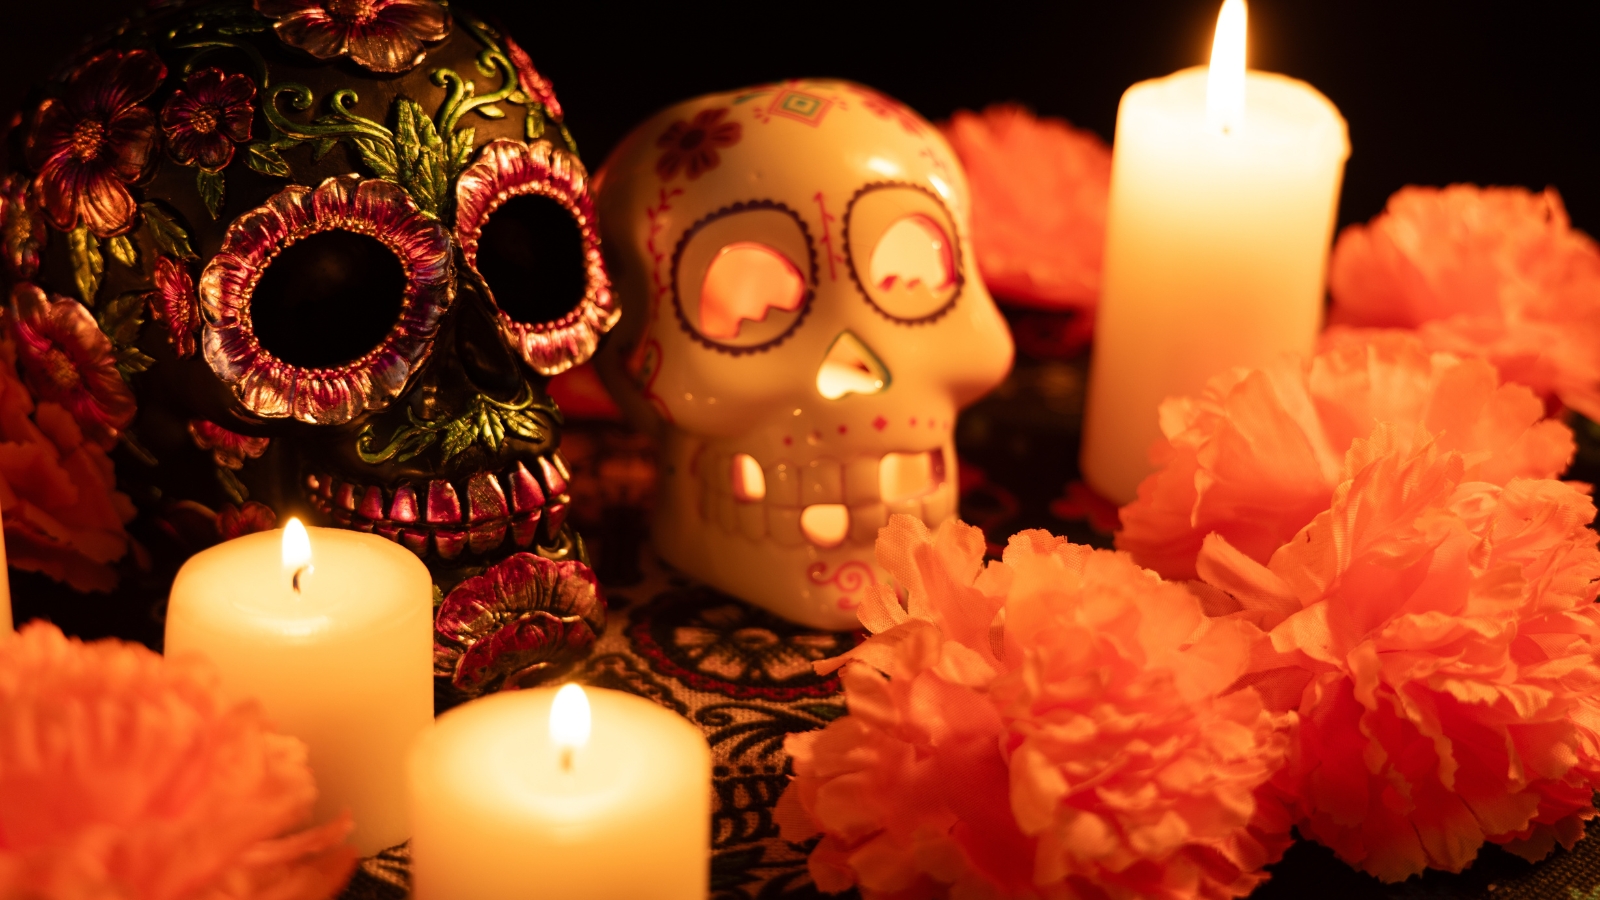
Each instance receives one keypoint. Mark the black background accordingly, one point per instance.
(1435, 92)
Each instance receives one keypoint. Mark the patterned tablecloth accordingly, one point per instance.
(745, 676)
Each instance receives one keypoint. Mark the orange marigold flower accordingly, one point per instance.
(1258, 454)
(1039, 193)
(1497, 272)
(1048, 725)
(63, 514)
(123, 775)
(1438, 636)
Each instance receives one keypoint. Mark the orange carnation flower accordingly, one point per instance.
(1497, 272)
(63, 514)
(126, 776)
(1045, 726)
(1438, 636)
(1258, 454)
(1039, 193)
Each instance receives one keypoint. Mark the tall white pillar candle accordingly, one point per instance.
(1218, 230)
(345, 663)
(510, 800)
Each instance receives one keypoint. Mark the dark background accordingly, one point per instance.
(1434, 91)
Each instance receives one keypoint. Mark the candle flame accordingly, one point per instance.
(296, 553)
(1225, 82)
(569, 720)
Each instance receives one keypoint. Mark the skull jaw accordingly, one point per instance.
(742, 550)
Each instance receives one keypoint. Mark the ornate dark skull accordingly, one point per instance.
(316, 258)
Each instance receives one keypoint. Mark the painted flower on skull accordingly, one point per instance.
(692, 146)
(22, 231)
(94, 140)
(173, 304)
(207, 116)
(68, 360)
(379, 35)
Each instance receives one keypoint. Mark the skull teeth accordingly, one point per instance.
(821, 501)
(428, 518)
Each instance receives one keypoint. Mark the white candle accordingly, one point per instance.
(512, 800)
(345, 663)
(1221, 214)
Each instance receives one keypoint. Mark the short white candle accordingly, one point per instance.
(512, 800)
(345, 663)
(1224, 188)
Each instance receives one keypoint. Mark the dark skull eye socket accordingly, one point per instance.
(531, 254)
(328, 299)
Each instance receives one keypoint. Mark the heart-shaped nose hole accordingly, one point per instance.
(850, 367)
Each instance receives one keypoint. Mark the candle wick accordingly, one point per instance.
(566, 759)
(295, 579)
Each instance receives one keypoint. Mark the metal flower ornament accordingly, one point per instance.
(304, 257)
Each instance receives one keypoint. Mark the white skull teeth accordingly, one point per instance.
(427, 517)
(821, 501)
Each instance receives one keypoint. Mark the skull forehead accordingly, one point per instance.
(788, 141)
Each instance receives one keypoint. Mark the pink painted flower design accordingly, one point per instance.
(204, 118)
(92, 141)
(173, 304)
(533, 84)
(507, 169)
(525, 616)
(228, 449)
(237, 521)
(22, 230)
(66, 359)
(272, 388)
(379, 35)
(692, 145)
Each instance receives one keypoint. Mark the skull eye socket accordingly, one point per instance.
(744, 283)
(742, 277)
(328, 299)
(531, 255)
(322, 302)
(525, 224)
(903, 252)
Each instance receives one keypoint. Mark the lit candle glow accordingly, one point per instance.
(1224, 185)
(577, 793)
(342, 661)
(1225, 84)
(569, 722)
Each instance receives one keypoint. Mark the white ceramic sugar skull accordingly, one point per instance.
(803, 319)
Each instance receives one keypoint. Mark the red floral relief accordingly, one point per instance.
(94, 140)
(228, 450)
(174, 304)
(66, 359)
(378, 35)
(204, 118)
(22, 231)
(533, 84)
(692, 145)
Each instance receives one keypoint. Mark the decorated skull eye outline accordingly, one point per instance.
(903, 251)
(504, 171)
(743, 278)
(271, 387)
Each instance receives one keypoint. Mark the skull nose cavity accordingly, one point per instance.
(490, 365)
(825, 524)
(850, 367)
